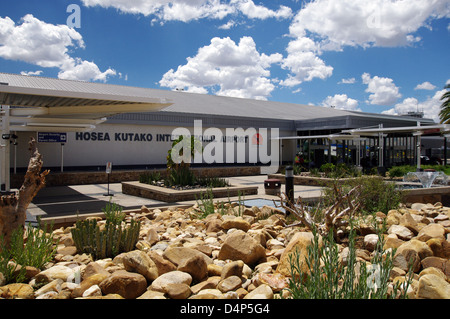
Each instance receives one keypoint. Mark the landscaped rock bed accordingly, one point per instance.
(179, 256)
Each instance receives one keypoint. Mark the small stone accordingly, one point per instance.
(17, 291)
(276, 281)
(139, 262)
(238, 223)
(433, 271)
(211, 292)
(55, 286)
(261, 292)
(55, 272)
(163, 265)
(433, 287)
(370, 241)
(67, 250)
(431, 231)
(440, 263)
(214, 270)
(401, 231)
(392, 241)
(298, 243)
(195, 266)
(90, 281)
(240, 246)
(233, 268)
(230, 283)
(151, 294)
(177, 255)
(207, 284)
(173, 277)
(178, 291)
(93, 268)
(127, 284)
(92, 291)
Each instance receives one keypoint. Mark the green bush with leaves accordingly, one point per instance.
(400, 171)
(113, 238)
(150, 177)
(377, 195)
(29, 247)
(330, 278)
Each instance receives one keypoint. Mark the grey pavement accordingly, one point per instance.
(61, 202)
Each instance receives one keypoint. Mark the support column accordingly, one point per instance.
(5, 150)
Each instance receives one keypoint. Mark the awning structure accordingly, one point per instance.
(52, 105)
(359, 134)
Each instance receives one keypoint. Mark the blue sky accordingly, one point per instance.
(378, 56)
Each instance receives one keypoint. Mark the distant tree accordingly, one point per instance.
(444, 114)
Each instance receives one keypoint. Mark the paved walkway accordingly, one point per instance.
(62, 202)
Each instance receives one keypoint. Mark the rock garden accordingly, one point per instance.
(359, 242)
(235, 253)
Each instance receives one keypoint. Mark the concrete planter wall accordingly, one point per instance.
(169, 195)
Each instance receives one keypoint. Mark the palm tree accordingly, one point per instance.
(444, 114)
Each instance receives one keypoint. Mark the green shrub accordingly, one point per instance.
(376, 194)
(206, 204)
(212, 182)
(329, 278)
(400, 171)
(327, 168)
(29, 247)
(114, 238)
(150, 178)
(180, 176)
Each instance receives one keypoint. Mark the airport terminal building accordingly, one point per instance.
(83, 126)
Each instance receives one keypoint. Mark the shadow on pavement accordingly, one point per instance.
(59, 201)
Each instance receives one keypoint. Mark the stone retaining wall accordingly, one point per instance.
(85, 178)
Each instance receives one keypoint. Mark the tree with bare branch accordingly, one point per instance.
(344, 205)
(13, 207)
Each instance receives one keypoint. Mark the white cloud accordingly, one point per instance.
(47, 45)
(430, 107)
(425, 86)
(324, 25)
(227, 25)
(384, 91)
(342, 102)
(188, 10)
(253, 11)
(303, 62)
(37, 42)
(366, 22)
(77, 69)
(226, 68)
(32, 73)
(347, 81)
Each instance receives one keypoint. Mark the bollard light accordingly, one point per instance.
(290, 184)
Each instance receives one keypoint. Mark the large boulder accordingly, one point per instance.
(126, 284)
(179, 255)
(237, 222)
(240, 246)
(402, 232)
(431, 231)
(433, 287)
(298, 244)
(196, 266)
(139, 262)
(174, 277)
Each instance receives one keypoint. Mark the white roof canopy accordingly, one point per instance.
(38, 97)
(40, 104)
